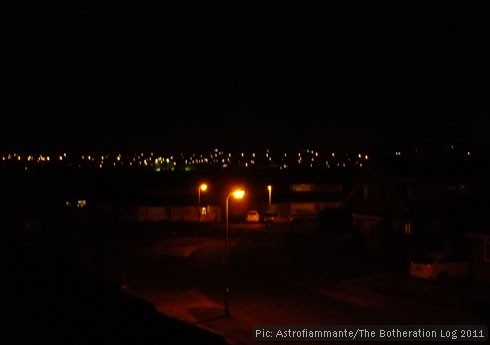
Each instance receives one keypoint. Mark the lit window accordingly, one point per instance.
(81, 203)
(408, 229)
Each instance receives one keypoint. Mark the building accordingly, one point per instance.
(480, 255)
(416, 209)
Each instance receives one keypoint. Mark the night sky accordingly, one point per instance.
(200, 74)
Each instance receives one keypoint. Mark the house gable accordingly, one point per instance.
(374, 194)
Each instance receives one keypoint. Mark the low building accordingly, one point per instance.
(421, 211)
(480, 255)
(158, 213)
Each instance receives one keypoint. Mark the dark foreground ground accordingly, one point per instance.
(278, 276)
(49, 299)
(65, 285)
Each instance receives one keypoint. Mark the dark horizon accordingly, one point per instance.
(173, 149)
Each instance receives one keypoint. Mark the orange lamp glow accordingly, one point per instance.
(238, 194)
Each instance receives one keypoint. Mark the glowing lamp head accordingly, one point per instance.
(269, 187)
(238, 194)
(203, 187)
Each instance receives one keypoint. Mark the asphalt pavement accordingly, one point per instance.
(276, 276)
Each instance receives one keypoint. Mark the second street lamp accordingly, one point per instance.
(269, 188)
(203, 187)
(237, 194)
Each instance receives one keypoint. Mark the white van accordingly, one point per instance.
(253, 216)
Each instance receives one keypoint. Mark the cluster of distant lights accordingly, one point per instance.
(305, 158)
(187, 162)
(92, 160)
(452, 149)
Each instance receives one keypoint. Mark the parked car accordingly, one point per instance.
(253, 216)
(271, 218)
(440, 266)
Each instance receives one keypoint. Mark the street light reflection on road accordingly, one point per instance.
(237, 194)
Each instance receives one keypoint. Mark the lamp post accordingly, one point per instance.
(237, 194)
(202, 187)
(269, 188)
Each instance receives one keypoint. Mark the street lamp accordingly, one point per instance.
(237, 194)
(203, 187)
(269, 188)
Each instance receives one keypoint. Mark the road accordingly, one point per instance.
(278, 275)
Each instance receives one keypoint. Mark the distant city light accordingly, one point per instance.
(298, 159)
